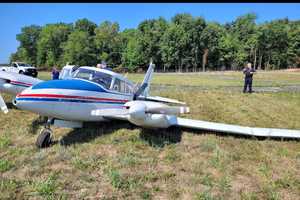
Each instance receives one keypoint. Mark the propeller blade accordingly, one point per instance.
(3, 105)
(109, 112)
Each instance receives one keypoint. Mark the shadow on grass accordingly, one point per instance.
(248, 137)
(35, 125)
(91, 131)
(161, 137)
(11, 106)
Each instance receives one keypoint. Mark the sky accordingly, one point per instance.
(14, 16)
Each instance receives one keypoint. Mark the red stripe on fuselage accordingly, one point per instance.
(22, 83)
(70, 97)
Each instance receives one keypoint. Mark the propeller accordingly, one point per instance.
(3, 105)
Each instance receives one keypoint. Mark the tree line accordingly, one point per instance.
(185, 43)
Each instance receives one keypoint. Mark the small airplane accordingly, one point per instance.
(94, 95)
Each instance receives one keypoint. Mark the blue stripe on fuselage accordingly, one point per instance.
(66, 100)
(72, 84)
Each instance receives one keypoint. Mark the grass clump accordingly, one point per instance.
(8, 188)
(4, 142)
(209, 145)
(172, 155)
(218, 159)
(48, 187)
(206, 195)
(207, 180)
(80, 164)
(5, 165)
(121, 181)
(128, 160)
(224, 184)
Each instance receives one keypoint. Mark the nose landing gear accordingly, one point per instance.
(45, 137)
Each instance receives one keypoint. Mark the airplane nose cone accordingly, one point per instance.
(14, 102)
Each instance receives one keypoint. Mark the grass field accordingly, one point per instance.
(119, 161)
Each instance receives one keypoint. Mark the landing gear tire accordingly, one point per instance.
(44, 139)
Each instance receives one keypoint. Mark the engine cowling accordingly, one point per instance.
(143, 113)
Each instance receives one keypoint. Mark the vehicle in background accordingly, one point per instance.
(67, 71)
(21, 68)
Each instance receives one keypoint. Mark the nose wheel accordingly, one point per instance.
(45, 137)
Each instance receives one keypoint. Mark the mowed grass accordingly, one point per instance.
(223, 79)
(118, 161)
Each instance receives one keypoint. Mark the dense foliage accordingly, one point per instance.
(185, 43)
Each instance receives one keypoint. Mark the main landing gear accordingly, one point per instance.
(45, 138)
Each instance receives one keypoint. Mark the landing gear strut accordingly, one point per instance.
(45, 137)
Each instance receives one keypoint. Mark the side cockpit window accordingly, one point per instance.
(121, 86)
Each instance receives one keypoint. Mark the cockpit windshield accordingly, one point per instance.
(94, 76)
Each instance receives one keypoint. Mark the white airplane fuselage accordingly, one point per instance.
(72, 99)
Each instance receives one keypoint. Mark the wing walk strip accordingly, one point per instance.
(235, 129)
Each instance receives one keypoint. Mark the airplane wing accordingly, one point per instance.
(157, 115)
(236, 129)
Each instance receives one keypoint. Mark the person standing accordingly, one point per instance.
(55, 74)
(248, 72)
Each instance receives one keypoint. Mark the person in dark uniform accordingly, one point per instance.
(55, 73)
(248, 71)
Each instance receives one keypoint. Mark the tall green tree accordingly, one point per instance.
(210, 38)
(79, 49)
(85, 25)
(293, 53)
(149, 37)
(273, 44)
(28, 38)
(197, 45)
(172, 46)
(108, 43)
(51, 42)
(184, 43)
(130, 52)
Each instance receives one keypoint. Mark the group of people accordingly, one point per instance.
(248, 72)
